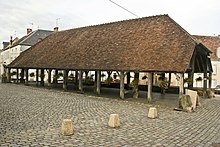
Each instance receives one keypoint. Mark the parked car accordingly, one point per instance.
(217, 89)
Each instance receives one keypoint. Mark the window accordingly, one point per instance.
(218, 52)
(214, 67)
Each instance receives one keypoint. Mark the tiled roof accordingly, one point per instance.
(211, 42)
(31, 38)
(154, 43)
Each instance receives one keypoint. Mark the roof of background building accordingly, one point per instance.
(30, 39)
(211, 42)
(154, 43)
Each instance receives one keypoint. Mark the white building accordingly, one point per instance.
(12, 49)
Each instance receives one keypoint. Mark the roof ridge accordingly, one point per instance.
(119, 21)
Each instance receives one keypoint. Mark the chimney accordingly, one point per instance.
(5, 44)
(29, 31)
(11, 40)
(56, 29)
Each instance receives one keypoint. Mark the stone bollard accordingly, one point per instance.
(67, 127)
(152, 112)
(114, 121)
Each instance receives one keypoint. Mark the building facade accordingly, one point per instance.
(11, 50)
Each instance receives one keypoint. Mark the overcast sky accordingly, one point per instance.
(201, 17)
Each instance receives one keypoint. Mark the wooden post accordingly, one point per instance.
(210, 80)
(149, 91)
(55, 79)
(9, 75)
(169, 80)
(17, 76)
(49, 77)
(122, 91)
(190, 76)
(80, 81)
(205, 84)
(98, 85)
(128, 79)
(135, 88)
(95, 83)
(42, 77)
(26, 76)
(65, 78)
(181, 86)
(22, 76)
(76, 77)
(37, 77)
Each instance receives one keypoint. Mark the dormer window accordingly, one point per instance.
(218, 52)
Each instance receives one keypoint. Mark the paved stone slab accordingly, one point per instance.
(32, 116)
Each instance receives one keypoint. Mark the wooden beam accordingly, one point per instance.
(150, 84)
(98, 83)
(122, 91)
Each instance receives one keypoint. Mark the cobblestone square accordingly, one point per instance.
(31, 116)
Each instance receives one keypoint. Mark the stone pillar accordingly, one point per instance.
(122, 91)
(65, 78)
(9, 75)
(42, 77)
(80, 81)
(49, 77)
(37, 77)
(26, 76)
(17, 75)
(181, 86)
(149, 92)
(98, 85)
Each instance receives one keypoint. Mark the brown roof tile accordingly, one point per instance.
(154, 43)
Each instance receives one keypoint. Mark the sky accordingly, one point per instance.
(198, 17)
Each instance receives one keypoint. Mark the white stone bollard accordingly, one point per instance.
(152, 112)
(114, 121)
(67, 127)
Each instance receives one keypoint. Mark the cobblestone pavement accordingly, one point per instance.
(31, 116)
